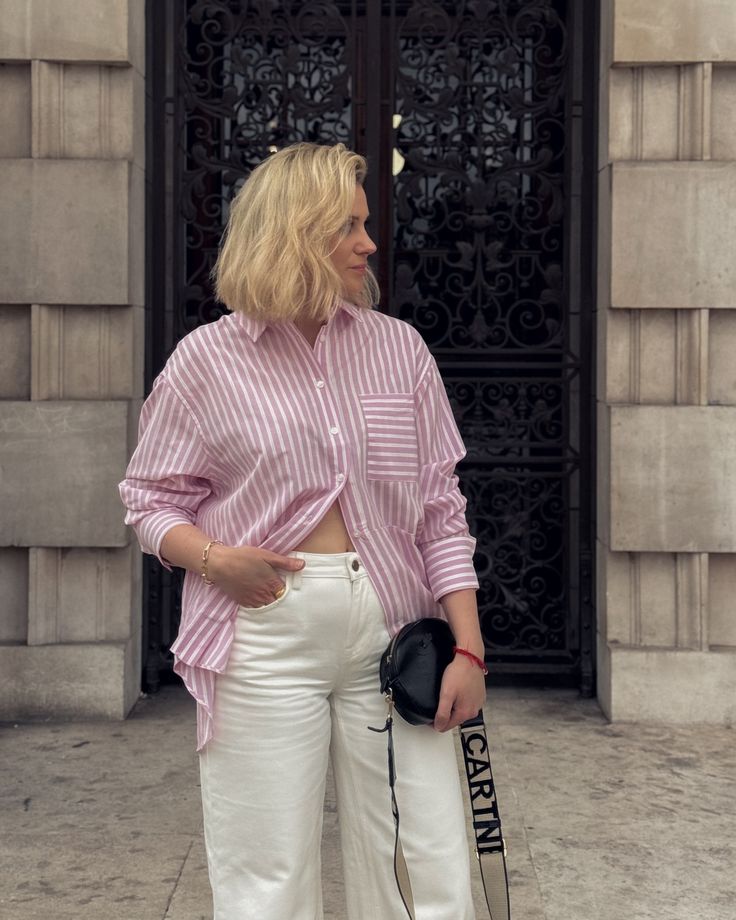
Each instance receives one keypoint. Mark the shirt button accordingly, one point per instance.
(319, 384)
(340, 477)
(334, 429)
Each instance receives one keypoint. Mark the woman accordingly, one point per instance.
(297, 458)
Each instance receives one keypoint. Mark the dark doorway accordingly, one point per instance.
(478, 121)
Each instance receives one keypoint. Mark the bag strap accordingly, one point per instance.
(489, 844)
(401, 872)
(490, 847)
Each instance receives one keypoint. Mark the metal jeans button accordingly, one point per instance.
(356, 565)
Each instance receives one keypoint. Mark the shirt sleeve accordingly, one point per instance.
(167, 477)
(444, 538)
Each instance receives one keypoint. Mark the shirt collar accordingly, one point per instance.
(254, 327)
(351, 309)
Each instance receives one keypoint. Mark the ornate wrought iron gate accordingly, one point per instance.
(477, 117)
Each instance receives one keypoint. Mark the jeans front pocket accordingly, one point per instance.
(276, 602)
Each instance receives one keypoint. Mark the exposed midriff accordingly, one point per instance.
(329, 536)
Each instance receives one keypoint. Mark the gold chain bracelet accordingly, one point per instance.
(205, 559)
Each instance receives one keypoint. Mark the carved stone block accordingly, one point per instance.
(721, 364)
(660, 113)
(15, 16)
(641, 349)
(724, 113)
(86, 680)
(663, 685)
(80, 595)
(675, 31)
(15, 352)
(603, 474)
(88, 111)
(653, 599)
(15, 110)
(673, 479)
(604, 241)
(14, 593)
(87, 352)
(672, 230)
(72, 232)
(722, 606)
(613, 608)
(74, 30)
(656, 357)
(61, 463)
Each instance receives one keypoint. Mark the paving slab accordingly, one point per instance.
(102, 820)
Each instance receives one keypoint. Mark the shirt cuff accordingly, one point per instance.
(449, 564)
(154, 527)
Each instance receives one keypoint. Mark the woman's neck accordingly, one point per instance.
(309, 328)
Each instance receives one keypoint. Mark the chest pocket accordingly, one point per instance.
(392, 449)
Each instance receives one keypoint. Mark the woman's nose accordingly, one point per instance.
(366, 245)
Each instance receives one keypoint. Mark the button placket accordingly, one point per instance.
(334, 430)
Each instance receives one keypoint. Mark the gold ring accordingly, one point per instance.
(280, 593)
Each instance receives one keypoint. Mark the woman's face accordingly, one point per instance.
(350, 256)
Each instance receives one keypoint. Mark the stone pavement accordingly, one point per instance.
(101, 821)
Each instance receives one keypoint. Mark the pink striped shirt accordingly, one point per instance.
(252, 435)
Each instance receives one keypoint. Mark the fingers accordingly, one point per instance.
(276, 586)
(443, 715)
(272, 589)
(248, 574)
(259, 583)
(265, 594)
(283, 562)
(445, 723)
(458, 697)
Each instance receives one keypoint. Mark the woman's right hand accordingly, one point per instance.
(248, 574)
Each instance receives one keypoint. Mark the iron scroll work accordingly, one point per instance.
(477, 119)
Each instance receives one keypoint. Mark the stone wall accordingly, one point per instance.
(667, 361)
(72, 159)
(72, 100)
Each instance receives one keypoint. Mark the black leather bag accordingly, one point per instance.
(412, 667)
(410, 674)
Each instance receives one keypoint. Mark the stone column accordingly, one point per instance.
(667, 361)
(72, 159)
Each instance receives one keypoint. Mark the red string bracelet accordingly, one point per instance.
(474, 658)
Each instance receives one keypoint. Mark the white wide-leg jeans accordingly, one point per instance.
(301, 686)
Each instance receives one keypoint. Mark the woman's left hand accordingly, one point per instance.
(462, 694)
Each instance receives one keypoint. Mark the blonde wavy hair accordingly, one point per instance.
(274, 260)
